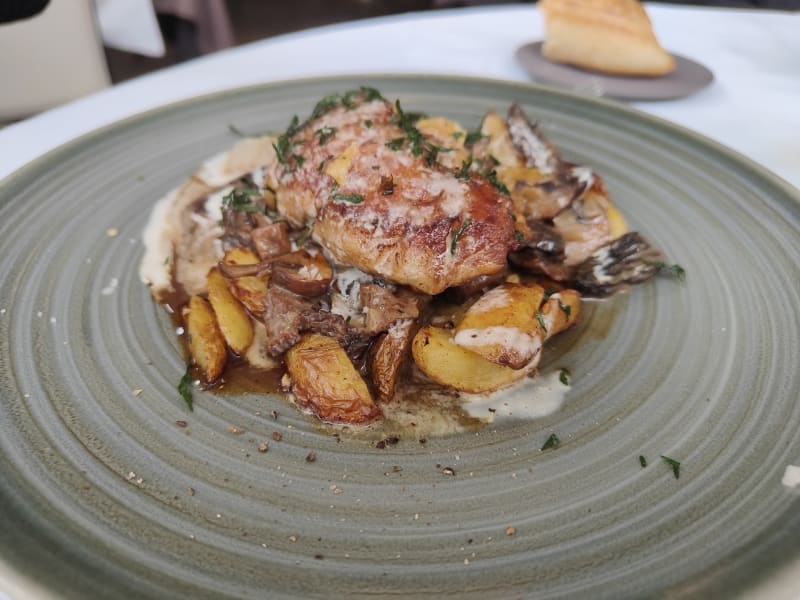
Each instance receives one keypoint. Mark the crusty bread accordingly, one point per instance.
(610, 36)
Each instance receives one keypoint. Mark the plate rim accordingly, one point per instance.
(788, 193)
(729, 153)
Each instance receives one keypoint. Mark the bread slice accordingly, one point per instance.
(610, 36)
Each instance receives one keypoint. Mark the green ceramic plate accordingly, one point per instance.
(103, 495)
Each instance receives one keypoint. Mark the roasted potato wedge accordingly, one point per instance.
(502, 326)
(325, 380)
(387, 356)
(232, 318)
(206, 342)
(240, 256)
(561, 311)
(250, 290)
(449, 364)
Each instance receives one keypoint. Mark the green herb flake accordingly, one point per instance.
(457, 235)
(324, 162)
(185, 388)
(552, 442)
(492, 177)
(512, 216)
(457, 135)
(676, 271)
(565, 308)
(396, 143)
(463, 173)
(473, 137)
(353, 198)
(166, 260)
(676, 466)
(642, 461)
(305, 235)
(563, 376)
(325, 133)
(518, 235)
(547, 293)
(368, 123)
(540, 318)
(240, 199)
(283, 147)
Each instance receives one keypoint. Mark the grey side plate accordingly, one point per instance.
(688, 78)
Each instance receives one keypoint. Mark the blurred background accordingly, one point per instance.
(116, 40)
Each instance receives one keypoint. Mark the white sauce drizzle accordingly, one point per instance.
(525, 399)
(791, 476)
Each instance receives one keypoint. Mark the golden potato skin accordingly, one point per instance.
(386, 358)
(561, 311)
(325, 380)
(442, 360)
(511, 307)
(233, 320)
(206, 342)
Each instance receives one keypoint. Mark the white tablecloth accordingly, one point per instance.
(753, 105)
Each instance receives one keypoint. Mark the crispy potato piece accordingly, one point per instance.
(500, 146)
(445, 362)
(326, 381)
(249, 290)
(206, 342)
(233, 320)
(240, 256)
(561, 311)
(339, 167)
(387, 356)
(502, 326)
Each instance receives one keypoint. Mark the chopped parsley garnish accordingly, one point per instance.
(463, 173)
(353, 198)
(185, 387)
(457, 235)
(396, 143)
(563, 376)
(240, 199)
(472, 137)
(512, 216)
(325, 133)
(347, 100)
(284, 145)
(642, 461)
(676, 466)
(518, 235)
(552, 442)
(324, 162)
(305, 234)
(675, 271)
(492, 177)
(368, 123)
(418, 144)
(540, 318)
(547, 293)
(565, 308)
(457, 135)
(387, 186)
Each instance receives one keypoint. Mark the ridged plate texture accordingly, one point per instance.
(103, 495)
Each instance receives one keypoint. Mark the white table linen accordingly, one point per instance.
(753, 105)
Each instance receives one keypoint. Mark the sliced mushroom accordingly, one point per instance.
(627, 260)
(303, 273)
